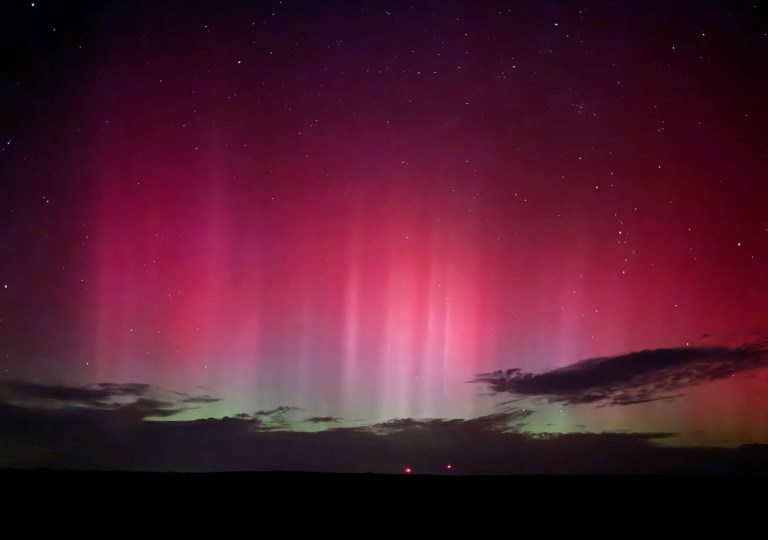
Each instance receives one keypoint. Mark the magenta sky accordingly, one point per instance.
(354, 209)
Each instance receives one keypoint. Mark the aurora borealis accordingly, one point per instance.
(324, 216)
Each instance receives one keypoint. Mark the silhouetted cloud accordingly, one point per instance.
(129, 398)
(200, 399)
(277, 411)
(76, 395)
(322, 419)
(499, 422)
(631, 378)
(272, 419)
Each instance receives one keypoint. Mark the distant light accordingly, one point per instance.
(407, 470)
(449, 466)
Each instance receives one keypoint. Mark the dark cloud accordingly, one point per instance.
(277, 411)
(272, 419)
(631, 378)
(144, 408)
(131, 399)
(499, 422)
(76, 395)
(322, 420)
(205, 398)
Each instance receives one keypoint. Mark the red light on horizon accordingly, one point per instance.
(407, 470)
(449, 466)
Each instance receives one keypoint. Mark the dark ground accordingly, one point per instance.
(374, 504)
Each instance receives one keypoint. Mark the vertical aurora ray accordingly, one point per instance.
(383, 305)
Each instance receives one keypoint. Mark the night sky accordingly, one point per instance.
(381, 223)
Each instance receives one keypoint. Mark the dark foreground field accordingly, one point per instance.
(315, 502)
